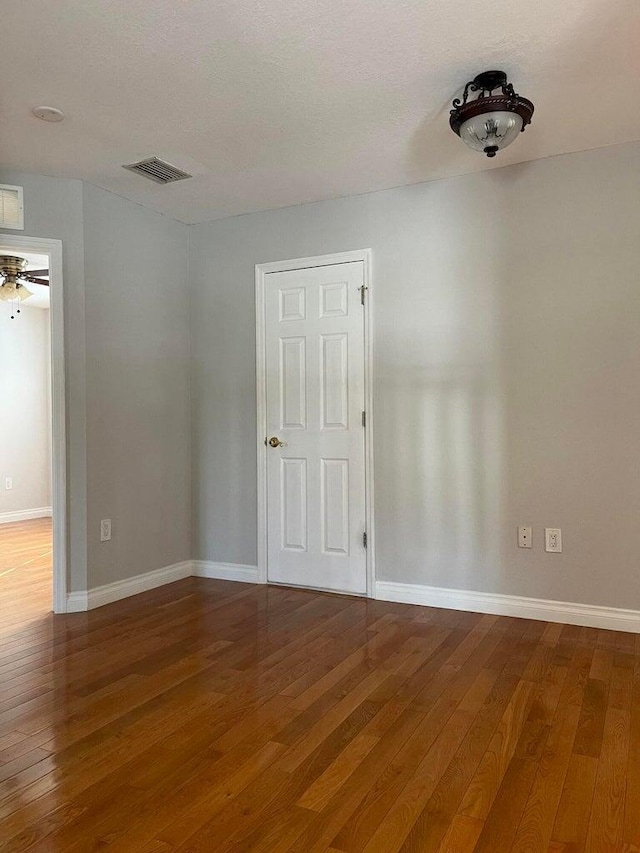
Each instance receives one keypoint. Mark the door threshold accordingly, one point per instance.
(341, 592)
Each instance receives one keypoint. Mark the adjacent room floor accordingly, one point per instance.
(213, 716)
(25, 573)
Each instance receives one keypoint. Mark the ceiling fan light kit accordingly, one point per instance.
(12, 288)
(490, 122)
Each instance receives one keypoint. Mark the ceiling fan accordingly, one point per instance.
(14, 273)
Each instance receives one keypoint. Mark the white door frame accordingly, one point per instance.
(262, 270)
(53, 248)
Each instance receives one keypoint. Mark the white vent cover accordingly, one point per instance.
(11, 207)
(158, 171)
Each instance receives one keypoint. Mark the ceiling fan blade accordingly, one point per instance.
(35, 280)
(37, 272)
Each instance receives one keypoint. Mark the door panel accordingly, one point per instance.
(293, 381)
(294, 504)
(335, 506)
(334, 381)
(315, 398)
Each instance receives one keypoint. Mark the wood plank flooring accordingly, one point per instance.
(214, 716)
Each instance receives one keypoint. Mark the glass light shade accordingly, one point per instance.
(9, 291)
(490, 132)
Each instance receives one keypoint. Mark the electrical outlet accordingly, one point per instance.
(8, 483)
(105, 530)
(553, 540)
(525, 538)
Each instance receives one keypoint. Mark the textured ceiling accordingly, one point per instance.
(278, 102)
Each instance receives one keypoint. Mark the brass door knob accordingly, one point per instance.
(274, 441)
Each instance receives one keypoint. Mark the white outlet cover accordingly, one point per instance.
(8, 483)
(105, 530)
(553, 540)
(525, 537)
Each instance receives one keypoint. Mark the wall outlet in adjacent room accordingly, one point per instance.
(8, 483)
(553, 540)
(525, 537)
(105, 530)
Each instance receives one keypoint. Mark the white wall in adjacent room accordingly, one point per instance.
(25, 425)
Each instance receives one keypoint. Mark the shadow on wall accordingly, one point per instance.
(449, 485)
(507, 394)
(440, 444)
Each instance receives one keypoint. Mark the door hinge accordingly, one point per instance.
(364, 419)
(364, 539)
(363, 290)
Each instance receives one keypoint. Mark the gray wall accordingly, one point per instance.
(507, 347)
(24, 409)
(127, 344)
(138, 420)
(506, 360)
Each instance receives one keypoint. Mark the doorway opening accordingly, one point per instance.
(33, 570)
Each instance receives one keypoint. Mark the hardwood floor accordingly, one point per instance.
(213, 716)
(25, 573)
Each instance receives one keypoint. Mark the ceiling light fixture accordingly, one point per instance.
(12, 289)
(490, 122)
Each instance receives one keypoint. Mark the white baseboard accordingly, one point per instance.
(25, 514)
(78, 602)
(89, 599)
(225, 571)
(567, 612)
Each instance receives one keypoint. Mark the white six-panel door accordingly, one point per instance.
(314, 341)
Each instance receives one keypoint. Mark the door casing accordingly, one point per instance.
(262, 270)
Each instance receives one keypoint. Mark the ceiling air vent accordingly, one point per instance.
(158, 171)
